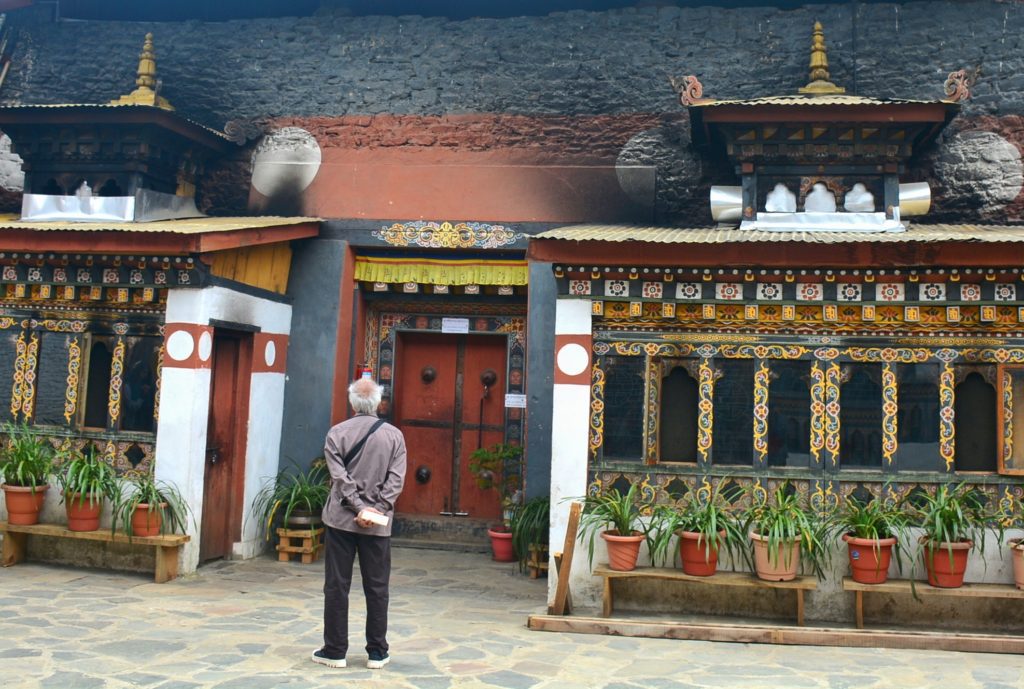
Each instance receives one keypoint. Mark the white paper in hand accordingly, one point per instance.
(374, 517)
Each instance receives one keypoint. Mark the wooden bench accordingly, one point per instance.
(167, 546)
(924, 590)
(799, 585)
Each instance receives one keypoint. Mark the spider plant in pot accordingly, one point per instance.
(618, 520)
(499, 468)
(784, 528)
(149, 507)
(706, 526)
(874, 530)
(85, 480)
(295, 496)
(954, 519)
(530, 527)
(27, 464)
(1012, 514)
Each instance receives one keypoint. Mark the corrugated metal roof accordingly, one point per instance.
(727, 235)
(809, 99)
(188, 226)
(116, 106)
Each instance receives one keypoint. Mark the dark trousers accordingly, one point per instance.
(375, 568)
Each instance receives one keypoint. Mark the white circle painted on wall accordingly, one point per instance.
(205, 346)
(180, 345)
(573, 359)
(270, 353)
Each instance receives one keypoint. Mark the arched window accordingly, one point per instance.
(860, 417)
(97, 385)
(678, 425)
(976, 441)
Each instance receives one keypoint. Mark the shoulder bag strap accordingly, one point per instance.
(351, 454)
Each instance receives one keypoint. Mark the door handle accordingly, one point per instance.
(211, 454)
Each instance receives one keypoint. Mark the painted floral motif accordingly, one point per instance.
(116, 369)
(110, 276)
(84, 275)
(35, 274)
(889, 291)
(890, 408)
(729, 291)
(135, 278)
(769, 291)
(809, 291)
(652, 290)
(946, 416)
(1005, 292)
(60, 275)
(616, 288)
(932, 291)
(579, 287)
(817, 443)
(159, 277)
(761, 383)
(10, 273)
(688, 290)
(970, 292)
(849, 291)
(71, 392)
(706, 405)
(447, 235)
(184, 278)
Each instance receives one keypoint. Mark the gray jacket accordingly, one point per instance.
(374, 477)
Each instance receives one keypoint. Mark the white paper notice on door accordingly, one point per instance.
(515, 401)
(455, 325)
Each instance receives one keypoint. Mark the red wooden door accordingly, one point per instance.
(439, 404)
(225, 444)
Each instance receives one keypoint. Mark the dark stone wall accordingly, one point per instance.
(313, 288)
(565, 63)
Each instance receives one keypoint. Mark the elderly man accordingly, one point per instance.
(366, 458)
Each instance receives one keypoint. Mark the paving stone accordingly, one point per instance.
(510, 680)
(72, 680)
(20, 653)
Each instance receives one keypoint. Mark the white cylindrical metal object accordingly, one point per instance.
(915, 199)
(726, 203)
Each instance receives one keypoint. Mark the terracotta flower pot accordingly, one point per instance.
(778, 566)
(83, 514)
(501, 544)
(697, 560)
(943, 572)
(1017, 554)
(24, 504)
(146, 523)
(869, 559)
(623, 551)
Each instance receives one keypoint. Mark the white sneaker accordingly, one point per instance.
(320, 656)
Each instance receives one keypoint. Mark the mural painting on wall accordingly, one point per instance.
(447, 235)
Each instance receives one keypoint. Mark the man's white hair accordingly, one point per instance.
(364, 396)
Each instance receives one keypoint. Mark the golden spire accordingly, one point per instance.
(819, 83)
(146, 93)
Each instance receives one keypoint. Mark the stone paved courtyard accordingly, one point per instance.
(457, 620)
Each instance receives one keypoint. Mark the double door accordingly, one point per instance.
(449, 399)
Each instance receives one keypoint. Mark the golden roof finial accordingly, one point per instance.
(820, 83)
(146, 83)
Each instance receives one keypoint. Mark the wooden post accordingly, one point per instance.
(562, 588)
(799, 607)
(860, 609)
(13, 548)
(166, 563)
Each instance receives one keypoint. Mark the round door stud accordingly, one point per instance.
(488, 377)
(422, 474)
(428, 374)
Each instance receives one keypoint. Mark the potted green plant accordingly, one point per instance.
(705, 524)
(782, 528)
(295, 496)
(954, 519)
(27, 464)
(499, 467)
(85, 480)
(149, 507)
(530, 528)
(618, 519)
(1012, 514)
(873, 530)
